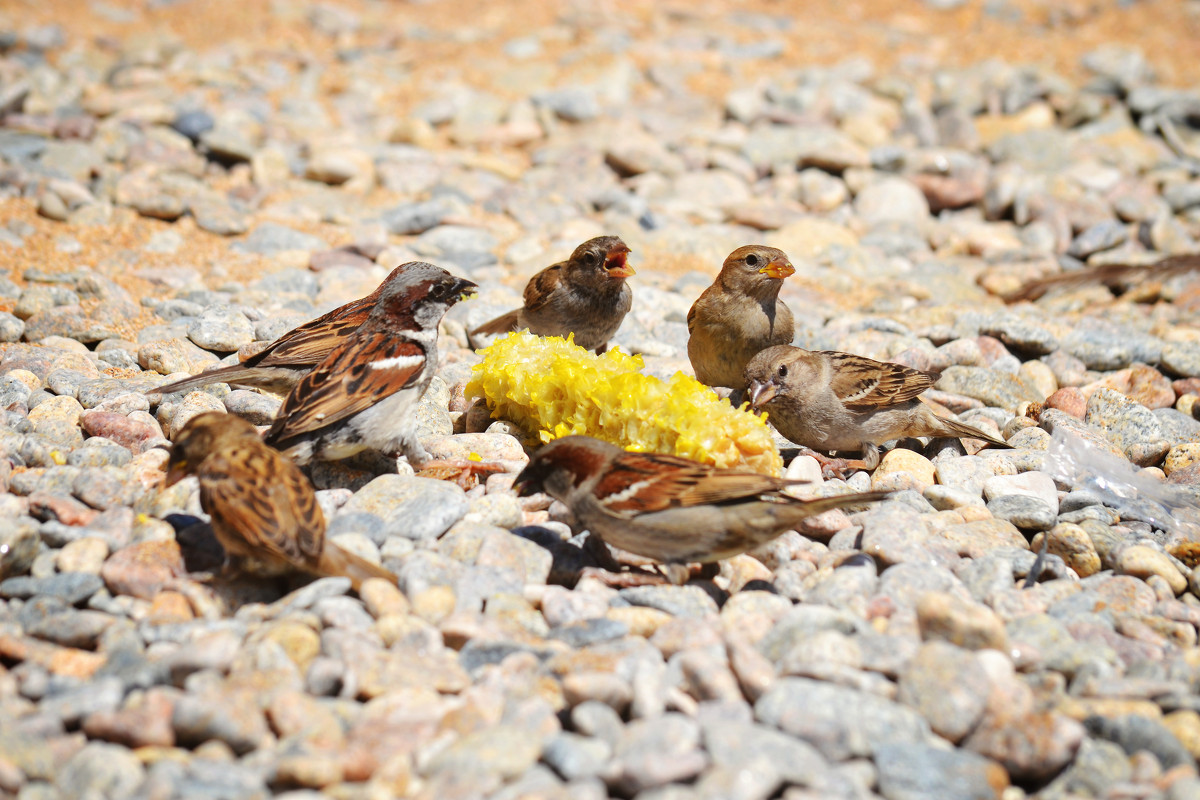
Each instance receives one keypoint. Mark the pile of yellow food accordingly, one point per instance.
(551, 387)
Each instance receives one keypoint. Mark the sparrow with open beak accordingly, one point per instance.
(585, 295)
(264, 511)
(667, 508)
(826, 400)
(739, 315)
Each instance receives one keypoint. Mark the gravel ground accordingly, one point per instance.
(169, 201)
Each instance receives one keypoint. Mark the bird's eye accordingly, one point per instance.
(591, 259)
(783, 370)
(752, 260)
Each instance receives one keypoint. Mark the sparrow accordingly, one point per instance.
(739, 315)
(279, 366)
(363, 394)
(667, 508)
(828, 400)
(585, 295)
(264, 511)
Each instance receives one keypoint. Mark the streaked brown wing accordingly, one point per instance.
(354, 377)
(258, 493)
(542, 285)
(1109, 274)
(311, 342)
(640, 482)
(864, 384)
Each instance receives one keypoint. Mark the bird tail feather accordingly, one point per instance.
(228, 374)
(960, 430)
(501, 324)
(342, 563)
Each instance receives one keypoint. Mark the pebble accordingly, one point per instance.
(412, 507)
(1142, 561)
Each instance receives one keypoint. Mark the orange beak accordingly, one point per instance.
(615, 263)
(779, 269)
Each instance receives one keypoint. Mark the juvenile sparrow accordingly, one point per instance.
(279, 366)
(586, 295)
(739, 315)
(668, 508)
(827, 400)
(363, 394)
(264, 511)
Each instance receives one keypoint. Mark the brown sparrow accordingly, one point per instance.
(827, 400)
(363, 394)
(585, 295)
(279, 366)
(264, 511)
(739, 315)
(671, 509)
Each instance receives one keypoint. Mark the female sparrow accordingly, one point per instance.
(668, 508)
(279, 366)
(363, 394)
(585, 295)
(827, 400)
(264, 511)
(739, 315)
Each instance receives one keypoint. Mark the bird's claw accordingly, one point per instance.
(462, 471)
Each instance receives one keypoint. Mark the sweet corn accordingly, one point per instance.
(551, 387)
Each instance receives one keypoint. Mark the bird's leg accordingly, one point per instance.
(610, 571)
(838, 467)
(462, 471)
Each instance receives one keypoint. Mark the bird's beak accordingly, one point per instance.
(616, 264)
(779, 269)
(761, 393)
(176, 471)
(465, 289)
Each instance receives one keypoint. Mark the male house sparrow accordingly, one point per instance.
(363, 394)
(264, 511)
(739, 315)
(586, 295)
(827, 400)
(279, 366)
(668, 508)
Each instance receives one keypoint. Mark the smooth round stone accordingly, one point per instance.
(992, 387)
(173, 417)
(680, 601)
(11, 328)
(1185, 725)
(57, 419)
(1181, 456)
(169, 356)
(1027, 513)
(1142, 561)
(1072, 544)
(1038, 377)
(839, 721)
(943, 616)
(222, 329)
(1037, 485)
(254, 407)
(603, 687)
(1129, 425)
(83, 555)
(1069, 400)
(912, 772)
(892, 200)
(412, 507)
(946, 498)
(903, 469)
